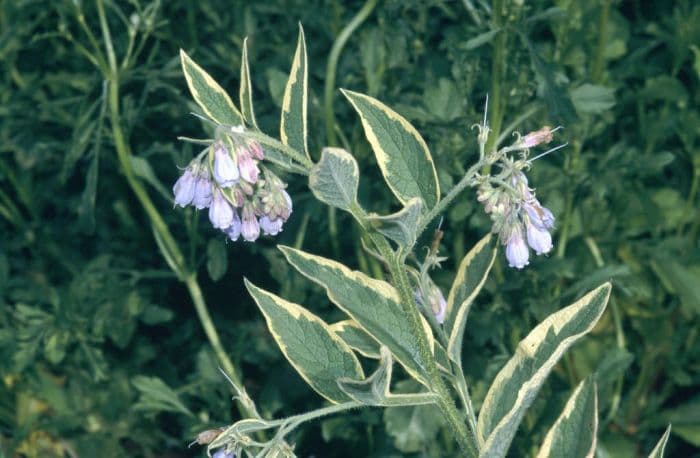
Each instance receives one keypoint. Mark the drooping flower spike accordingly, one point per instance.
(226, 179)
(519, 219)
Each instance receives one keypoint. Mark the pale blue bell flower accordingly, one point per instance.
(184, 188)
(234, 230)
(220, 211)
(538, 238)
(517, 253)
(250, 227)
(225, 169)
(270, 226)
(202, 192)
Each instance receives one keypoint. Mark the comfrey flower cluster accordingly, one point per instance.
(226, 178)
(519, 219)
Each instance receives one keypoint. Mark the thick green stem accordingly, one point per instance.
(167, 242)
(465, 437)
(332, 67)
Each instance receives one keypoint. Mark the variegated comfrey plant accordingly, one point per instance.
(406, 320)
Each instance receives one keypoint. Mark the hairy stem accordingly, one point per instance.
(465, 437)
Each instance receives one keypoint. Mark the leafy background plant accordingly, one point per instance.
(99, 346)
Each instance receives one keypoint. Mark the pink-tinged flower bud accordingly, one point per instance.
(544, 135)
(517, 252)
(220, 211)
(256, 150)
(202, 192)
(225, 169)
(538, 238)
(234, 230)
(540, 216)
(270, 226)
(184, 188)
(247, 166)
(250, 228)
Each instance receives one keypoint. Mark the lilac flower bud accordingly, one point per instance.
(184, 188)
(234, 230)
(250, 227)
(247, 166)
(202, 191)
(438, 304)
(270, 226)
(540, 216)
(517, 252)
(220, 211)
(544, 135)
(225, 169)
(539, 239)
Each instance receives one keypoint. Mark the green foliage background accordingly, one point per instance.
(101, 352)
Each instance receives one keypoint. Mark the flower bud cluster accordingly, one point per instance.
(226, 178)
(520, 221)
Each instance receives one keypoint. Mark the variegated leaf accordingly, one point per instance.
(516, 385)
(357, 338)
(246, 89)
(471, 276)
(334, 179)
(295, 100)
(211, 97)
(574, 434)
(401, 226)
(318, 354)
(660, 448)
(372, 304)
(401, 152)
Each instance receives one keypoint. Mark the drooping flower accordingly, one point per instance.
(517, 252)
(256, 150)
(184, 188)
(538, 238)
(202, 191)
(540, 216)
(247, 166)
(234, 230)
(250, 227)
(224, 168)
(270, 226)
(220, 211)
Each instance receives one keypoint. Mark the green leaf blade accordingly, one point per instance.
(293, 124)
(471, 276)
(401, 152)
(372, 304)
(402, 226)
(246, 89)
(334, 179)
(574, 434)
(516, 385)
(211, 97)
(318, 355)
(660, 447)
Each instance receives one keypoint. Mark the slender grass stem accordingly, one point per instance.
(167, 243)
